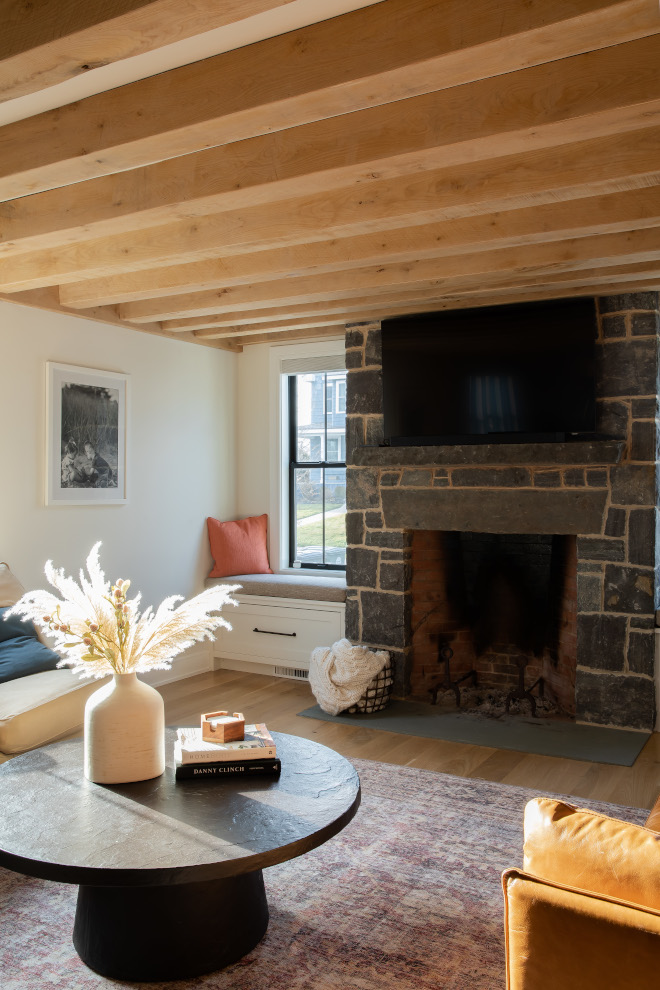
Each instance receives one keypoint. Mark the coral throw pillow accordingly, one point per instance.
(239, 547)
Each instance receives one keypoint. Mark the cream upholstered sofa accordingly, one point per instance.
(38, 708)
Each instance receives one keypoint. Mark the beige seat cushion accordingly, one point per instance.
(40, 708)
(303, 586)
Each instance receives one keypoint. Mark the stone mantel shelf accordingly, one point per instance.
(590, 452)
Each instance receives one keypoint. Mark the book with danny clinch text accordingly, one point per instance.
(257, 744)
(226, 769)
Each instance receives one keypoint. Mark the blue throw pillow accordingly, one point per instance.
(21, 652)
(14, 626)
(23, 655)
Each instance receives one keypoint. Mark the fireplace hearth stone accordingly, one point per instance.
(542, 736)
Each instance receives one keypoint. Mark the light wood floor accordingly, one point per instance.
(277, 701)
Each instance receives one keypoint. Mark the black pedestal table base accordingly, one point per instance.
(169, 933)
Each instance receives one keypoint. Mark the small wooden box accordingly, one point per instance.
(221, 727)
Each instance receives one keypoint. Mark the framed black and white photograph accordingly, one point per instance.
(86, 436)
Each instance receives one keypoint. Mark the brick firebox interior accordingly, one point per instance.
(601, 492)
(491, 608)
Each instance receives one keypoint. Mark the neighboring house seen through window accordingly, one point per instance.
(317, 469)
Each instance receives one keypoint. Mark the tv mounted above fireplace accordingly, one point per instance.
(499, 374)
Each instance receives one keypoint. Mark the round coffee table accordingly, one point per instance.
(169, 872)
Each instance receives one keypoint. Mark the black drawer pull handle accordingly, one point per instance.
(269, 632)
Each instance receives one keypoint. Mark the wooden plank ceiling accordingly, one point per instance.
(408, 155)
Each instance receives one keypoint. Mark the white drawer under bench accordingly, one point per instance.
(280, 632)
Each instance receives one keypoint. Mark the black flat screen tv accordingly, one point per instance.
(501, 374)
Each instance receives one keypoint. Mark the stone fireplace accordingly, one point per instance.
(425, 523)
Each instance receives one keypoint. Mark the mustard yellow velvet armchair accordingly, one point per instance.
(584, 913)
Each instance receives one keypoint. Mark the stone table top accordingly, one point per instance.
(56, 824)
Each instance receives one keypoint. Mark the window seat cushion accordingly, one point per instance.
(311, 588)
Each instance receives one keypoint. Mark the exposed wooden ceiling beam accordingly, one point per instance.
(350, 189)
(506, 294)
(598, 275)
(394, 303)
(540, 287)
(46, 299)
(54, 40)
(426, 296)
(492, 293)
(319, 327)
(433, 290)
(300, 221)
(606, 249)
(392, 51)
(176, 194)
(532, 225)
(397, 302)
(281, 313)
(254, 329)
(289, 335)
(598, 94)
(488, 297)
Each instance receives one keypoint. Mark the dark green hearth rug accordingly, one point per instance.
(544, 737)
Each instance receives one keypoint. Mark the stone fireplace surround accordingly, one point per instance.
(604, 492)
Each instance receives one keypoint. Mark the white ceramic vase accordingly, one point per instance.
(124, 732)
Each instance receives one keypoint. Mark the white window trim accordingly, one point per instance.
(279, 463)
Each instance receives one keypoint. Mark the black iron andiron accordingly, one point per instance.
(445, 653)
(521, 693)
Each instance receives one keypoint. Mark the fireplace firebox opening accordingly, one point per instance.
(494, 615)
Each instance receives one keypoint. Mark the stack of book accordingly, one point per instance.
(253, 755)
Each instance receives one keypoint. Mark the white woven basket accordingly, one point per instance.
(377, 694)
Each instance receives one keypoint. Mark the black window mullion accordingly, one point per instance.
(323, 509)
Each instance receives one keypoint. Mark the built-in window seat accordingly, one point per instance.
(281, 619)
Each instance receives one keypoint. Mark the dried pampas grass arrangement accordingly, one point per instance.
(98, 630)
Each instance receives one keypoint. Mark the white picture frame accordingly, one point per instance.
(86, 420)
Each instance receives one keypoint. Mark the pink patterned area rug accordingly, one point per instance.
(407, 896)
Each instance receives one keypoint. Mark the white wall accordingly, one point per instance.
(254, 439)
(181, 454)
(259, 455)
